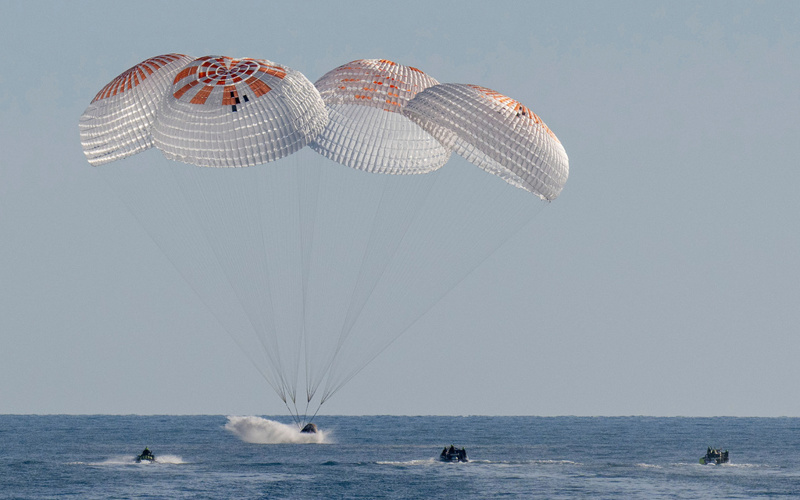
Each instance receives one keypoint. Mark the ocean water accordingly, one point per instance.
(58, 456)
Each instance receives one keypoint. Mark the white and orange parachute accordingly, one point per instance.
(317, 263)
(369, 114)
(366, 128)
(119, 121)
(213, 111)
(496, 133)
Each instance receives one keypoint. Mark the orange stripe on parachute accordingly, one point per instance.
(185, 89)
(258, 87)
(135, 75)
(275, 71)
(518, 108)
(184, 73)
(202, 95)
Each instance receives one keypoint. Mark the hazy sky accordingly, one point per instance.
(663, 281)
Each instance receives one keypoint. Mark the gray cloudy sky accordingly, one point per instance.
(663, 281)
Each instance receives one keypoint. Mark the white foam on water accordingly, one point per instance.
(118, 460)
(169, 459)
(131, 460)
(426, 461)
(523, 462)
(259, 430)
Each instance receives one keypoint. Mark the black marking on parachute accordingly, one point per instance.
(233, 96)
(245, 98)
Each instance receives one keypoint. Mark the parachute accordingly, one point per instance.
(224, 112)
(118, 122)
(367, 130)
(496, 133)
(213, 112)
(314, 260)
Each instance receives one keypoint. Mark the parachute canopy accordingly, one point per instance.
(367, 130)
(118, 122)
(224, 112)
(214, 111)
(494, 132)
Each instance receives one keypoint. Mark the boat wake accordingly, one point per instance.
(425, 461)
(436, 461)
(169, 459)
(131, 460)
(649, 466)
(259, 430)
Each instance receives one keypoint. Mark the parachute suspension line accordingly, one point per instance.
(264, 285)
(332, 356)
(384, 239)
(295, 415)
(383, 245)
(281, 237)
(297, 328)
(479, 213)
(229, 256)
(323, 250)
(416, 209)
(305, 414)
(153, 197)
(315, 413)
(328, 393)
(308, 175)
(352, 198)
(408, 232)
(268, 300)
(310, 186)
(229, 243)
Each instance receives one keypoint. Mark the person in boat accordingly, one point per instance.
(146, 455)
(453, 454)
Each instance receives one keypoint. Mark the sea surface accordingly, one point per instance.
(60, 456)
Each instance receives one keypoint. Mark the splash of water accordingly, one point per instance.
(169, 459)
(259, 430)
